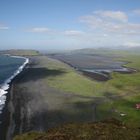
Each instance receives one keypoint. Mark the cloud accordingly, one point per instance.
(105, 19)
(132, 29)
(112, 15)
(132, 44)
(102, 28)
(111, 22)
(3, 27)
(136, 12)
(73, 33)
(39, 30)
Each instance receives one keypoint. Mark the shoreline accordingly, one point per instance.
(6, 83)
(5, 115)
(5, 112)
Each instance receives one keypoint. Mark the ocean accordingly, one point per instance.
(10, 66)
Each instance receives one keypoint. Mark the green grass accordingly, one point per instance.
(29, 136)
(127, 84)
(125, 106)
(73, 82)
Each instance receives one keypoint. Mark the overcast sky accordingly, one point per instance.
(69, 24)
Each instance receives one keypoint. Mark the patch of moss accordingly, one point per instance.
(29, 136)
(111, 129)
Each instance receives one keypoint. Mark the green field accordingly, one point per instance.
(121, 93)
(73, 82)
(129, 85)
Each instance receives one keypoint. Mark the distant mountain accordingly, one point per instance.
(108, 51)
(20, 52)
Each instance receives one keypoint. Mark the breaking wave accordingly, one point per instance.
(6, 84)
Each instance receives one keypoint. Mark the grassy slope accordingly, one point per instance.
(106, 130)
(75, 83)
(126, 84)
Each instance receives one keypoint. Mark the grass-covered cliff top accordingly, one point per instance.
(106, 130)
(20, 52)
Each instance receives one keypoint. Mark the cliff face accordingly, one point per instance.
(106, 130)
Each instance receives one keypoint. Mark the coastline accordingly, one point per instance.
(6, 84)
(5, 114)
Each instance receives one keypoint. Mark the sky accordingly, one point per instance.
(69, 24)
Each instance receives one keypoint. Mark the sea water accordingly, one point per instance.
(10, 67)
